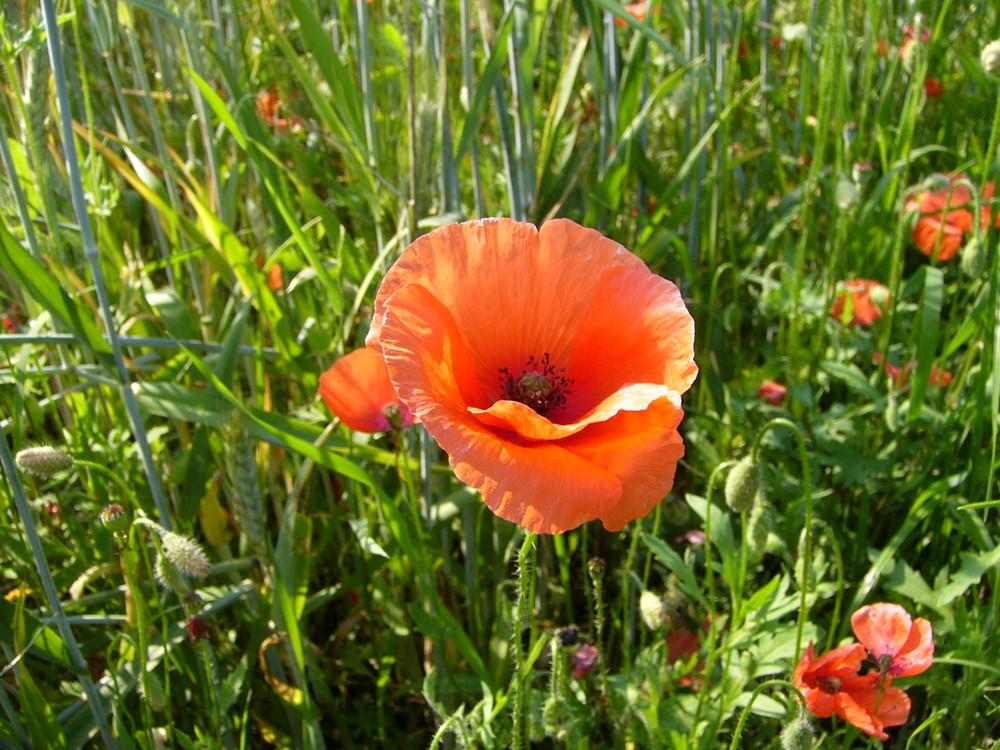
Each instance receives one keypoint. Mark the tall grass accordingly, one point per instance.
(198, 203)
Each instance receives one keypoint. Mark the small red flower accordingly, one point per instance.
(198, 630)
(861, 299)
(584, 659)
(900, 375)
(358, 391)
(933, 87)
(899, 645)
(772, 392)
(831, 685)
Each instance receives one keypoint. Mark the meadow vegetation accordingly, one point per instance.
(198, 201)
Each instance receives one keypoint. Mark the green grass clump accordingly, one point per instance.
(198, 202)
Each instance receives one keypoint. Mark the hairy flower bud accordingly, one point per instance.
(43, 461)
(990, 58)
(742, 485)
(654, 612)
(797, 734)
(974, 260)
(186, 554)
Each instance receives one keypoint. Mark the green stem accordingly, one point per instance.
(522, 618)
(753, 696)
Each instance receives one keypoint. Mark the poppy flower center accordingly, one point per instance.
(828, 684)
(541, 385)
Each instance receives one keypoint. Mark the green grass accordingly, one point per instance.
(360, 596)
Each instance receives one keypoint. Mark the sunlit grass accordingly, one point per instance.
(198, 208)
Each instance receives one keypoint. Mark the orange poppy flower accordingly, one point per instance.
(548, 363)
(772, 392)
(945, 217)
(899, 645)
(831, 685)
(900, 375)
(358, 391)
(863, 299)
(637, 10)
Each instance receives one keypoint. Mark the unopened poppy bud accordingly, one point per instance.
(114, 519)
(936, 182)
(169, 576)
(679, 101)
(797, 734)
(43, 461)
(846, 195)
(186, 554)
(974, 261)
(742, 485)
(990, 58)
(759, 528)
(654, 612)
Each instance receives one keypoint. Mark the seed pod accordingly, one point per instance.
(114, 519)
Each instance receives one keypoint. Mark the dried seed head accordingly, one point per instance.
(43, 461)
(114, 519)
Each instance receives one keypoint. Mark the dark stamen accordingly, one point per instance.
(541, 385)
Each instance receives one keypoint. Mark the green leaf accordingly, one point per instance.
(39, 718)
(928, 331)
(70, 315)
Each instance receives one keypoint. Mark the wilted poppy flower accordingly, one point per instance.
(831, 685)
(900, 646)
(358, 391)
(772, 392)
(548, 363)
(862, 299)
(945, 216)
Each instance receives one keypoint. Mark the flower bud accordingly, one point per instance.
(43, 461)
(742, 485)
(114, 519)
(169, 576)
(653, 610)
(759, 528)
(846, 195)
(974, 258)
(596, 567)
(797, 734)
(186, 554)
(990, 58)
(679, 101)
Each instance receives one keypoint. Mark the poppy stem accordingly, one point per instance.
(807, 526)
(526, 559)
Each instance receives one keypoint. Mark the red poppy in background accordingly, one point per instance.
(899, 645)
(357, 390)
(772, 392)
(832, 684)
(933, 87)
(900, 375)
(637, 10)
(945, 216)
(863, 299)
(548, 363)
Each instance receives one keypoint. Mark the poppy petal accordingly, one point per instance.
(882, 628)
(917, 654)
(357, 389)
(538, 485)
